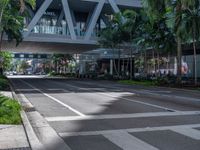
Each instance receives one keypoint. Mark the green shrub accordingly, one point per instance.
(4, 84)
(9, 111)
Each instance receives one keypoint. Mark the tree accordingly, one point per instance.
(191, 16)
(6, 59)
(61, 61)
(23, 66)
(12, 13)
(130, 32)
(12, 18)
(110, 38)
(155, 34)
(173, 10)
(122, 31)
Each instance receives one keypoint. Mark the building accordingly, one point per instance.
(67, 26)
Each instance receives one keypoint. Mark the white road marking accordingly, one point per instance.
(121, 116)
(102, 132)
(189, 132)
(144, 91)
(127, 99)
(144, 103)
(56, 100)
(127, 141)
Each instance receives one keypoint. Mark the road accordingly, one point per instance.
(105, 115)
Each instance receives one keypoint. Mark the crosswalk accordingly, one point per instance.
(128, 142)
(125, 139)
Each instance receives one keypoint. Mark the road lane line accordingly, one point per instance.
(144, 103)
(144, 91)
(127, 141)
(121, 116)
(139, 102)
(189, 132)
(56, 100)
(130, 130)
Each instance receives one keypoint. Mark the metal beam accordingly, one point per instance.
(94, 19)
(69, 19)
(37, 16)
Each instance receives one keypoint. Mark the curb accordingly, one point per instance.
(40, 134)
(30, 134)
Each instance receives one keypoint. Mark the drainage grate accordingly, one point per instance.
(170, 110)
(30, 109)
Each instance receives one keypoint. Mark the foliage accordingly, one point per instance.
(23, 66)
(6, 60)
(4, 84)
(12, 13)
(62, 61)
(9, 111)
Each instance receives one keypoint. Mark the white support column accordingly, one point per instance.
(114, 6)
(88, 19)
(94, 19)
(69, 19)
(37, 16)
(61, 16)
(73, 17)
(111, 67)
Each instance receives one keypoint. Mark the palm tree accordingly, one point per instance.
(173, 10)
(12, 19)
(12, 16)
(192, 23)
(110, 38)
(130, 32)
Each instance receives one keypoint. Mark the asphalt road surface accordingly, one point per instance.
(105, 115)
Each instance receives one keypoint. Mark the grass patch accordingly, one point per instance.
(4, 83)
(132, 82)
(9, 111)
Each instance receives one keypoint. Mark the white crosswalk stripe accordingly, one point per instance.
(128, 142)
(189, 132)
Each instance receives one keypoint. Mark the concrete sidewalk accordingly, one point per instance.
(13, 136)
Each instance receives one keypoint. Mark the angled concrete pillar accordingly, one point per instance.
(94, 19)
(73, 17)
(88, 19)
(60, 18)
(37, 16)
(68, 18)
(114, 6)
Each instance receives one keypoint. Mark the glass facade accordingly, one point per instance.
(50, 24)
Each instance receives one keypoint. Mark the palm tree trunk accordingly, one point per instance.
(154, 64)
(114, 63)
(145, 64)
(179, 61)
(118, 65)
(1, 40)
(158, 63)
(194, 63)
(131, 65)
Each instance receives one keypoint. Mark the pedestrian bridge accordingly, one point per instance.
(67, 26)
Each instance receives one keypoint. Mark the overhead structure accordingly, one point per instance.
(68, 26)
